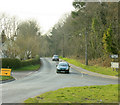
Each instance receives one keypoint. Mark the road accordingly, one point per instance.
(46, 79)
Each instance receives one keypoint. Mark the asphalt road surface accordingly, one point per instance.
(46, 79)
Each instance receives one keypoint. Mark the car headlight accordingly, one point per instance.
(58, 68)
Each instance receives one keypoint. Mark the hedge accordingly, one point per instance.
(11, 63)
(16, 63)
(30, 62)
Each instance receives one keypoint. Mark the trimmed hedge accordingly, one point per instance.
(11, 63)
(16, 63)
(30, 62)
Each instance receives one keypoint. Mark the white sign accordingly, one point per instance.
(114, 65)
(114, 56)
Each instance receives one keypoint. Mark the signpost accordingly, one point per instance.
(114, 64)
(114, 56)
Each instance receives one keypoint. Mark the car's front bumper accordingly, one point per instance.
(55, 59)
(59, 70)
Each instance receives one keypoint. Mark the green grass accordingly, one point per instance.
(97, 69)
(6, 78)
(28, 68)
(85, 94)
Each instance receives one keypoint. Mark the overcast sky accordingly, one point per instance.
(46, 12)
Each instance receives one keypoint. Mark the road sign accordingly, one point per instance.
(114, 56)
(5, 72)
(114, 65)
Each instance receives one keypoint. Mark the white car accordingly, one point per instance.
(55, 58)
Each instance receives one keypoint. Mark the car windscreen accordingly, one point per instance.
(55, 56)
(63, 64)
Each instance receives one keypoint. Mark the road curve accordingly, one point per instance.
(46, 79)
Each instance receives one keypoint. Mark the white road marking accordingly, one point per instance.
(82, 74)
(29, 73)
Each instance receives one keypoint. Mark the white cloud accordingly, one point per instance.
(46, 12)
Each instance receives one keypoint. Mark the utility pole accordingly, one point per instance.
(86, 45)
(63, 47)
(55, 48)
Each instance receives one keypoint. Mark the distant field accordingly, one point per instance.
(97, 69)
(28, 68)
(85, 94)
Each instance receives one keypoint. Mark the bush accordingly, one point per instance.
(11, 63)
(30, 62)
(16, 63)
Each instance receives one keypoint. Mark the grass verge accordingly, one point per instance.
(28, 68)
(97, 69)
(85, 94)
(3, 78)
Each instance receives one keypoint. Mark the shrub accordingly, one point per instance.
(16, 63)
(30, 62)
(11, 63)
